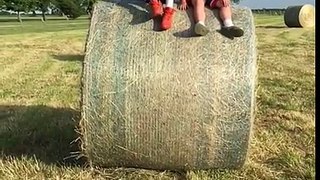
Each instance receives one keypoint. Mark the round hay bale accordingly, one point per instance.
(300, 16)
(166, 100)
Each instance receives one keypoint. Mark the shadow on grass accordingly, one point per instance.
(69, 57)
(43, 132)
(48, 134)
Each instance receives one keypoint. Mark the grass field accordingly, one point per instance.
(40, 67)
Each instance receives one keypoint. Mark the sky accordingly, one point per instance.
(259, 4)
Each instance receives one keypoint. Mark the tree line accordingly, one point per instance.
(69, 8)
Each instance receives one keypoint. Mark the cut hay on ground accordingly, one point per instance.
(166, 100)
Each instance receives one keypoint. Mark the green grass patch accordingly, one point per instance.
(40, 70)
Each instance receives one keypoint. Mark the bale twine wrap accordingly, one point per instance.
(300, 16)
(156, 101)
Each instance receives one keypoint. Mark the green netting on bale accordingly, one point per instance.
(166, 100)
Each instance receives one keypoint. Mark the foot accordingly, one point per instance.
(156, 8)
(234, 31)
(167, 18)
(201, 29)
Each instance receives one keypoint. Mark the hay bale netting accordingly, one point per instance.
(156, 100)
(300, 16)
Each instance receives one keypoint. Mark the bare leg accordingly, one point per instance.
(225, 13)
(199, 13)
(199, 17)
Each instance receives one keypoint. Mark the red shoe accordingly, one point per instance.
(156, 8)
(167, 18)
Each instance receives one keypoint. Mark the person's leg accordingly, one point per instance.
(167, 15)
(169, 3)
(225, 13)
(199, 13)
(199, 17)
(156, 8)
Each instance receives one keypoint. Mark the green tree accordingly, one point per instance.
(70, 8)
(19, 6)
(88, 5)
(43, 6)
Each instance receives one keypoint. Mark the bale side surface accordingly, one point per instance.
(299, 16)
(158, 100)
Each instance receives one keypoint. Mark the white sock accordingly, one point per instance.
(201, 22)
(169, 3)
(228, 23)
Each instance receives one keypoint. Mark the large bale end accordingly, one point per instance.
(300, 16)
(166, 100)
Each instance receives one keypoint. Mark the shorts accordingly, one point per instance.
(208, 3)
(211, 3)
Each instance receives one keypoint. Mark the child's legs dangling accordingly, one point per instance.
(169, 3)
(225, 13)
(199, 17)
(156, 8)
(168, 13)
(198, 12)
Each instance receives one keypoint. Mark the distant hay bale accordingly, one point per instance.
(164, 100)
(300, 16)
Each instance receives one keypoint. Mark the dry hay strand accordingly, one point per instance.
(166, 100)
(300, 16)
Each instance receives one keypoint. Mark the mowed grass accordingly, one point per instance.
(9, 24)
(40, 68)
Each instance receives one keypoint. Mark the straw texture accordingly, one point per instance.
(166, 100)
(300, 16)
